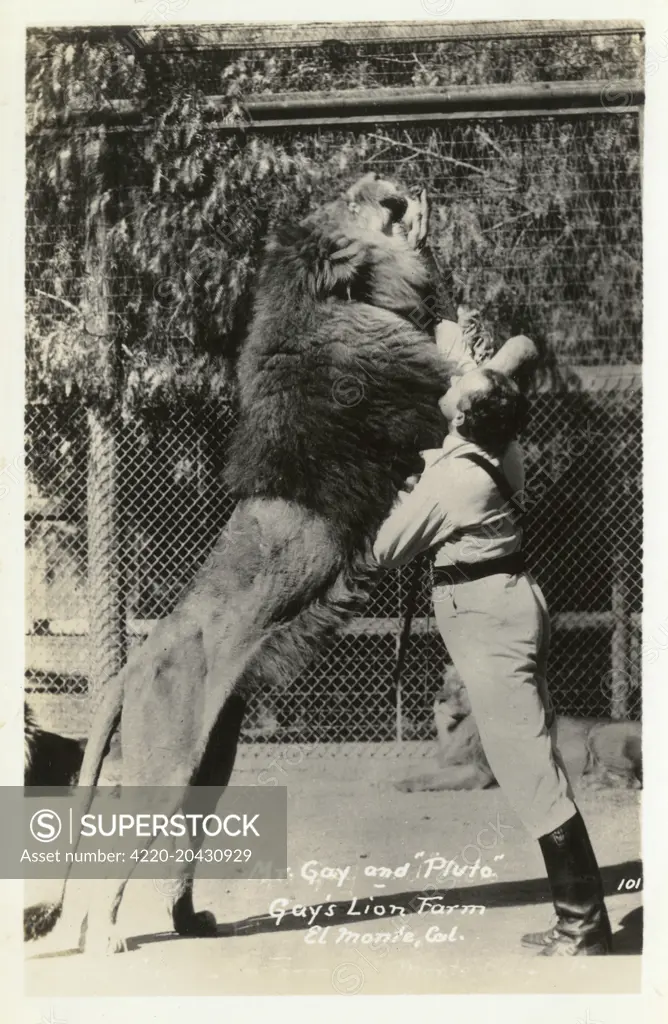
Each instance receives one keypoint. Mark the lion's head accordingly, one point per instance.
(376, 204)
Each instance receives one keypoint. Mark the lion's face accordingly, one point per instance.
(452, 699)
(376, 204)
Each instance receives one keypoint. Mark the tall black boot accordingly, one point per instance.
(583, 926)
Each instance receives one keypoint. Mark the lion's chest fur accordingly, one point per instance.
(338, 388)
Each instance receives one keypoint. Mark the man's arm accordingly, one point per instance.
(453, 349)
(415, 520)
(514, 355)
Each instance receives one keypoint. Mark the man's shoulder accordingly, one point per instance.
(467, 470)
(454, 457)
(451, 464)
(431, 456)
(446, 455)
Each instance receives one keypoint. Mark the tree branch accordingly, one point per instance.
(56, 298)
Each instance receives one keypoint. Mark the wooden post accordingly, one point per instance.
(106, 630)
(635, 659)
(619, 647)
(641, 142)
(397, 654)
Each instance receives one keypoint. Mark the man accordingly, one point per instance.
(466, 508)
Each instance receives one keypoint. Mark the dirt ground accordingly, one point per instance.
(344, 813)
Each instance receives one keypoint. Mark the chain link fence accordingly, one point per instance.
(535, 220)
(584, 545)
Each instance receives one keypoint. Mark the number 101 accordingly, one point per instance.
(629, 883)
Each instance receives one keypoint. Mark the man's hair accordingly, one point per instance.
(496, 415)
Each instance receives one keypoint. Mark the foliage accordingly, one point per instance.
(536, 222)
(210, 56)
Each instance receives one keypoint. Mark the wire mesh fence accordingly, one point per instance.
(335, 56)
(535, 221)
(584, 546)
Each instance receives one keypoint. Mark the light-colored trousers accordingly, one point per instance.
(497, 631)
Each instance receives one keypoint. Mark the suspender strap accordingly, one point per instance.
(499, 479)
(513, 563)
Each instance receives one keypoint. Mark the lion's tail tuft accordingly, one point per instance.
(39, 919)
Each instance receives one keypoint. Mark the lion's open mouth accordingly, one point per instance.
(397, 205)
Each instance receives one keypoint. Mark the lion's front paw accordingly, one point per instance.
(200, 925)
(105, 943)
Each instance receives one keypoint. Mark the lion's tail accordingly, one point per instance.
(40, 918)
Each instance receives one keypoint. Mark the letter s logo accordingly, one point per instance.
(45, 826)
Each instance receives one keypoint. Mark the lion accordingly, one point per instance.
(602, 752)
(462, 760)
(614, 755)
(315, 474)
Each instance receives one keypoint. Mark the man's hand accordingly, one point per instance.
(514, 355)
(415, 221)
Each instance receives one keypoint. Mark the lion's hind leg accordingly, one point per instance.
(264, 604)
(166, 727)
(214, 773)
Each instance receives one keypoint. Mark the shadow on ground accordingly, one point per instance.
(628, 940)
